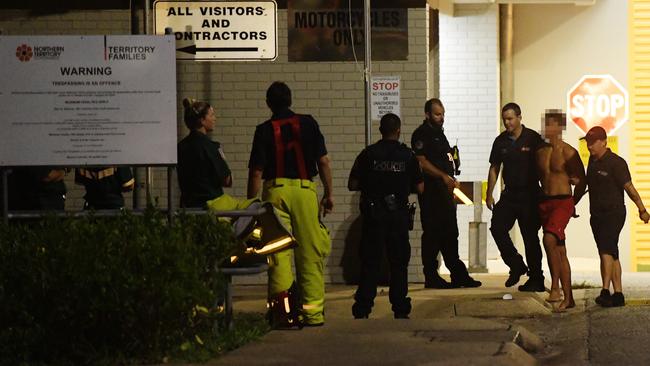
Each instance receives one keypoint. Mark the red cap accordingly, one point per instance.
(595, 133)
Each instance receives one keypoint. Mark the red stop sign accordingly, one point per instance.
(598, 100)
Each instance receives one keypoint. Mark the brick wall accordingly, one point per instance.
(331, 91)
(469, 89)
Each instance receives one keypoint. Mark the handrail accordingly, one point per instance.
(137, 212)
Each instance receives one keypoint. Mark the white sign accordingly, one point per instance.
(385, 96)
(220, 30)
(87, 100)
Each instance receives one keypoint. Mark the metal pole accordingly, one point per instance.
(170, 196)
(135, 29)
(367, 72)
(145, 23)
(148, 172)
(5, 197)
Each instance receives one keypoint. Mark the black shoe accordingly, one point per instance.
(436, 282)
(401, 316)
(618, 299)
(515, 274)
(604, 299)
(361, 316)
(533, 285)
(467, 282)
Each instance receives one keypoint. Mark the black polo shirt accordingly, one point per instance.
(429, 140)
(201, 169)
(518, 159)
(386, 167)
(606, 178)
(288, 145)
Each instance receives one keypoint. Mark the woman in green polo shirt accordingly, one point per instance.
(202, 168)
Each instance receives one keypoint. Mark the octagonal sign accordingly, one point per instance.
(598, 100)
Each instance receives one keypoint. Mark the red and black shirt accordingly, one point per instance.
(288, 145)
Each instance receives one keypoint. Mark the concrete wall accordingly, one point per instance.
(331, 91)
(554, 45)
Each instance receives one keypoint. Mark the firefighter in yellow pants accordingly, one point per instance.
(297, 201)
(226, 202)
(288, 152)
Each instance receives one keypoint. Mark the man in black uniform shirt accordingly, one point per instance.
(515, 149)
(385, 173)
(437, 206)
(104, 186)
(608, 176)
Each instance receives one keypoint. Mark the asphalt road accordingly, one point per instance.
(595, 336)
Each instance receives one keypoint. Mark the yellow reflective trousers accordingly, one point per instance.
(297, 202)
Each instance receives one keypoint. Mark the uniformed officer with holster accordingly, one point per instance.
(385, 173)
(437, 206)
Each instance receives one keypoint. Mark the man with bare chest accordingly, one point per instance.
(559, 167)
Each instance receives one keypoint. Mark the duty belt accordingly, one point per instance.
(289, 182)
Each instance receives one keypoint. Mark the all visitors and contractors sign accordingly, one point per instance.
(598, 100)
(220, 30)
(87, 100)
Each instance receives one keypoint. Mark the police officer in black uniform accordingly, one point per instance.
(515, 149)
(437, 206)
(104, 186)
(385, 173)
(202, 167)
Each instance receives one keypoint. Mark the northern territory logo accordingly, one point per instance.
(26, 52)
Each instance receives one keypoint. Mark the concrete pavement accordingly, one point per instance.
(449, 327)
(446, 327)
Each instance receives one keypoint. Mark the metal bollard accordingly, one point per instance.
(478, 234)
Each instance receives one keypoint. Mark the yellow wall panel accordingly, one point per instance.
(639, 81)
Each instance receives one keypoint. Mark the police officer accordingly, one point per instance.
(202, 167)
(385, 173)
(515, 149)
(104, 186)
(288, 151)
(437, 206)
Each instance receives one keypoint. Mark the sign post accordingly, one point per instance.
(220, 30)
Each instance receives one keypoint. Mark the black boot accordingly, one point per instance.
(618, 299)
(533, 285)
(604, 299)
(435, 281)
(465, 282)
(515, 274)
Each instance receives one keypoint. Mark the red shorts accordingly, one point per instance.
(555, 213)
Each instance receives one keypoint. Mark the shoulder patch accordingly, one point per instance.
(418, 144)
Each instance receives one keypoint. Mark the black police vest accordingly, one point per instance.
(388, 171)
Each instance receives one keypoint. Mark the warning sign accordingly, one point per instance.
(385, 96)
(220, 30)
